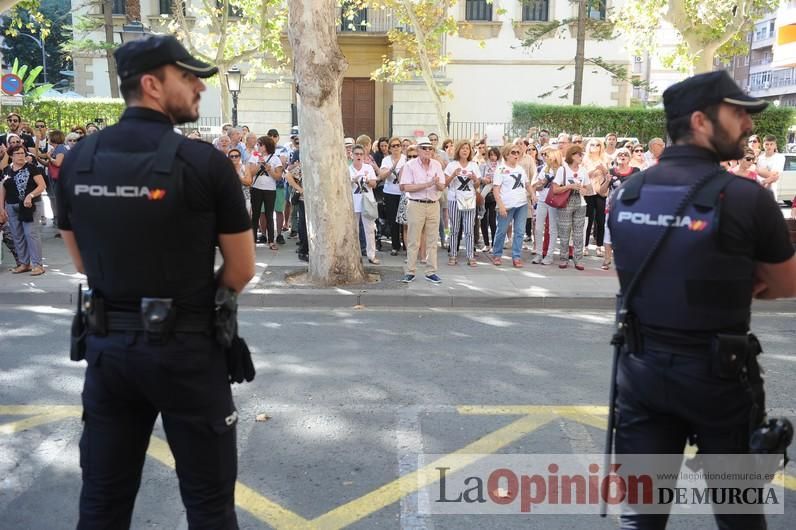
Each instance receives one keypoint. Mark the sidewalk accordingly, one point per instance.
(482, 287)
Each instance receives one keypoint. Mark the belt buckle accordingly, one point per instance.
(157, 318)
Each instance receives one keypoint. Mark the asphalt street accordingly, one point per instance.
(352, 397)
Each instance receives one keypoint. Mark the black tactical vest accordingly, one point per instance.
(692, 284)
(137, 232)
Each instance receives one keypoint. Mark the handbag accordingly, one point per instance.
(370, 210)
(465, 203)
(557, 200)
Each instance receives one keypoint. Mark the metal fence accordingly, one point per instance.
(209, 127)
(465, 130)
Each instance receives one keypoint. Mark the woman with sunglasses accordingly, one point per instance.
(23, 184)
(511, 188)
(542, 184)
(754, 144)
(489, 219)
(390, 171)
(462, 177)
(572, 177)
(71, 139)
(363, 181)
(596, 163)
(236, 158)
(746, 166)
(618, 174)
(637, 158)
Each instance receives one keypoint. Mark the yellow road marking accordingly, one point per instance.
(393, 492)
(33, 421)
(38, 415)
(246, 498)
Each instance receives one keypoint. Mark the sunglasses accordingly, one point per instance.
(411, 156)
(234, 156)
(12, 120)
(41, 126)
(749, 158)
(516, 153)
(71, 141)
(638, 150)
(394, 146)
(425, 148)
(754, 141)
(621, 155)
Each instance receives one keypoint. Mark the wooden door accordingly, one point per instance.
(359, 106)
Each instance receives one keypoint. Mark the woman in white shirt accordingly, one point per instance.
(265, 170)
(542, 184)
(363, 180)
(511, 188)
(462, 177)
(390, 172)
(572, 176)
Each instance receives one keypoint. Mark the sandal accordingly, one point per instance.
(606, 265)
(451, 261)
(472, 262)
(38, 270)
(273, 246)
(497, 261)
(19, 269)
(374, 261)
(517, 263)
(600, 252)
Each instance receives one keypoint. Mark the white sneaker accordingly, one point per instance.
(536, 260)
(548, 260)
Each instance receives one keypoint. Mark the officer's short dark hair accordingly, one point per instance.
(770, 138)
(130, 88)
(57, 136)
(268, 143)
(679, 129)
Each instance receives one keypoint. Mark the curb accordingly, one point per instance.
(397, 299)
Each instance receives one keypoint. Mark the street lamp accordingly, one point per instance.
(43, 55)
(233, 85)
(134, 30)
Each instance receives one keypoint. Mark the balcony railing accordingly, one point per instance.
(369, 21)
(761, 60)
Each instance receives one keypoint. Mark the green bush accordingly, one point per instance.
(644, 124)
(64, 114)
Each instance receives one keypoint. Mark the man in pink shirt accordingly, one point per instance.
(422, 179)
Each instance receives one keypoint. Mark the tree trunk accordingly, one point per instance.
(318, 66)
(225, 97)
(580, 53)
(107, 15)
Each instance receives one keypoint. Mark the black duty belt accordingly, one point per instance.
(691, 350)
(132, 321)
(424, 201)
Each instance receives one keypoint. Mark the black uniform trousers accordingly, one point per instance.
(128, 382)
(664, 398)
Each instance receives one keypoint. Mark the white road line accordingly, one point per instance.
(409, 441)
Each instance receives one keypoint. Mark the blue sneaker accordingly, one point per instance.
(407, 278)
(433, 278)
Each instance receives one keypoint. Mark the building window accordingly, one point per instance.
(596, 9)
(477, 10)
(357, 22)
(166, 7)
(535, 11)
(118, 7)
(232, 11)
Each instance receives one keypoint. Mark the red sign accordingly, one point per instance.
(11, 84)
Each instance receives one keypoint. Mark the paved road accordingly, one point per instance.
(353, 396)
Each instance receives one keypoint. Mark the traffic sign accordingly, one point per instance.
(11, 84)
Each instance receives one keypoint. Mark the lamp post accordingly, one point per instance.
(134, 30)
(233, 85)
(43, 54)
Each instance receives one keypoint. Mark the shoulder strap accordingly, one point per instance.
(85, 163)
(709, 195)
(167, 152)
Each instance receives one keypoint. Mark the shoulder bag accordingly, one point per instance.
(370, 210)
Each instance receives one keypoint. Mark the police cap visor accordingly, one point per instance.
(144, 55)
(703, 90)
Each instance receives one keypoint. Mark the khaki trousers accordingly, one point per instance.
(422, 215)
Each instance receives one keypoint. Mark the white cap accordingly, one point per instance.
(349, 141)
(423, 140)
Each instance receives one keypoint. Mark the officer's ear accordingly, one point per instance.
(152, 83)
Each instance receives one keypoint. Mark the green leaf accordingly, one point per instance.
(22, 71)
(15, 67)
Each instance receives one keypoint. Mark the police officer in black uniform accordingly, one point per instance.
(141, 210)
(689, 371)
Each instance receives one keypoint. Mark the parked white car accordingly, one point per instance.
(787, 182)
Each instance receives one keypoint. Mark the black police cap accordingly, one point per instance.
(700, 91)
(143, 55)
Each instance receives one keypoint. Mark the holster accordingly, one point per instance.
(239, 361)
(158, 317)
(731, 354)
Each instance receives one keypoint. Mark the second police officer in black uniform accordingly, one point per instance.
(689, 370)
(141, 210)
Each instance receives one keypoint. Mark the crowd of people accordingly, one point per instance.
(544, 196)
